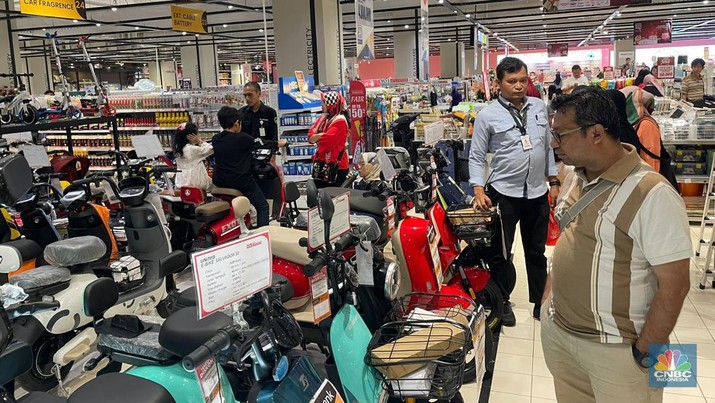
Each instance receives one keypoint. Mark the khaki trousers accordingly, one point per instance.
(587, 371)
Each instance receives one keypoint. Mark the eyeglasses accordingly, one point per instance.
(559, 136)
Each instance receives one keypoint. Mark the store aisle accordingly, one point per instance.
(521, 375)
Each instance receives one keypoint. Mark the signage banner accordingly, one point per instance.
(652, 32)
(188, 20)
(560, 5)
(666, 67)
(424, 40)
(358, 112)
(70, 9)
(557, 49)
(364, 30)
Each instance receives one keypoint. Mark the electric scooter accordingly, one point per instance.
(102, 99)
(59, 338)
(66, 108)
(18, 108)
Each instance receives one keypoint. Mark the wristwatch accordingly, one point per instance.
(643, 359)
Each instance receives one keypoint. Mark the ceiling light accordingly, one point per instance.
(468, 15)
(455, 11)
(688, 8)
(44, 29)
(440, 1)
(114, 9)
(605, 32)
(260, 30)
(136, 27)
(75, 21)
(389, 21)
(675, 15)
(197, 35)
(225, 25)
(99, 25)
(230, 7)
(706, 1)
(544, 25)
(183, 33)
(406, 26)
(449, 39)
(188, 41)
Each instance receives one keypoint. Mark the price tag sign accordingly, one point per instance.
(147, 145)
(391, 213)
(433, 239)
(207, 375)
(232, 272)
(327, 394)
(434, 132)
(385, 165)
(320, 295)
(36, 156)
(339, 225)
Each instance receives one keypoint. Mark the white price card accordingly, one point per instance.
(385, 165)
(320, 295)
(434, 132)
(36, 156)
(232, 272)
(18, 137)
(207, 375)
(339, 225)
(147, 145)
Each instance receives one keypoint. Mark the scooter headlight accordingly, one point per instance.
(393, 278)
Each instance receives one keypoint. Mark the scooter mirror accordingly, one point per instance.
(311, 194)
(327, 208)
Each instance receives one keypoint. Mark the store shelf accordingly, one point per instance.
(77, 131)
(283, 129)
(689, 142)
(80, 148)
(296, 178)
(297, 157)
(282, 112)
(122, 111)
(692, 178)
(300, 144)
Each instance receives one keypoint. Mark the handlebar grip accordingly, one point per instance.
(316, 264)
(303, 242)
(344, 242)
(220, 341)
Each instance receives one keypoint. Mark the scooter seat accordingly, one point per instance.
(212, 211)
(226, 192)
(42, 280)
(73, 251)
(183, 333)
(366, 227)
(28, 249)
(146, 345)
(120, 388)
(284, 244)
(358, 202)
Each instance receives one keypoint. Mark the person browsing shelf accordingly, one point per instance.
(330, 133)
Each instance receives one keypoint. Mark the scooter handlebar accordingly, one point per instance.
(344, 242)
(220, 341)
(316, 264)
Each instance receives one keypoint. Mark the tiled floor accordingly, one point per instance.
(521, 375)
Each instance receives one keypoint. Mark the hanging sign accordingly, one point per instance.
(320, 295)
(652, 32)
(550, 6)
(188, 20)
(424, 40)
(364, 30)
(557, 49)
(70, 9)
(339, 225)
(666, 67)
(232, 272)
(358, 112)
(434, 132)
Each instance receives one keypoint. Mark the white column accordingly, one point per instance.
(190, 64)
(203, 60)
(41, 67)
(624, 48)
(328, 21)
(452, 59)
(6, 55)
(405, 52)
(208, 57)
(168, 71)
(293, 36)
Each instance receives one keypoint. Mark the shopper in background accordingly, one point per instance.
(233, 157)
(626, 132)
(577, 78)
(259, 119)
(190, 152)
(693, 86)
(557, 80)
(532, 91)
(515, 131)
(642, 73)
(639, 105)
(620, 270)
(626, 68)
(552, 93)
(652, 85)
(330, 133)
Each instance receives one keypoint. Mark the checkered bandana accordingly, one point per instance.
(334, 102)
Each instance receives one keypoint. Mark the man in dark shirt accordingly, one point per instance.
(259, 119)
(233, 157)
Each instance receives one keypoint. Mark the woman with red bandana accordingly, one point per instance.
(330, 133)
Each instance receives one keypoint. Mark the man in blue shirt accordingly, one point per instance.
(515, 130)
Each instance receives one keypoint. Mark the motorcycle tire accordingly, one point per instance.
(28, 116)
(6, 119)
(493, 302)
(40, 377)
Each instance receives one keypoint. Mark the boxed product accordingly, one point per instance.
(691, 168)
(690, 155)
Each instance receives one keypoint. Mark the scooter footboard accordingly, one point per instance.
(77, 348)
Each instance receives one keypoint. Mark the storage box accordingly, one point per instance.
(691, 168)
(690, 155)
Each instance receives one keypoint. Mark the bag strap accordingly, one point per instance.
(572, 212)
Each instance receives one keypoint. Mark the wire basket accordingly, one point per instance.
(468, 224)
(422, 354)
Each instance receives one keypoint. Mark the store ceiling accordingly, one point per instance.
(131, 30)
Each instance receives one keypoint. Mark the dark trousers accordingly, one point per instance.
(533, 218)
(250, 189)
(339, 179)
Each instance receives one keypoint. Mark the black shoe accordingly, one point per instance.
(508, 318)
(537, 312)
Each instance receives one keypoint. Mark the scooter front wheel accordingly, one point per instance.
(490, 297)
(40, 377)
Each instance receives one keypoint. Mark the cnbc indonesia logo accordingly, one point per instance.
(674, 366)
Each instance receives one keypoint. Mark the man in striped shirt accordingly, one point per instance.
(620, 267)
(693, 86)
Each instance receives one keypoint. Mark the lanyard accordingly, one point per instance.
(520, 118)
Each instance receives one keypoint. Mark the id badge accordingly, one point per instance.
(526, 143)
(262, 132)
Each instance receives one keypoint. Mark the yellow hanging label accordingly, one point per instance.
(188, 20)
(70, 9)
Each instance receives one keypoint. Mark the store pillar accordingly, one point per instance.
(163, 73)
(308, 37)
(470, 63)
(479, 59)
(623, 49)
(405, 51)
(9, 46)
(40, 65)
(200, 63)
(452, 59)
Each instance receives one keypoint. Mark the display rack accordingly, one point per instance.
(293, 125)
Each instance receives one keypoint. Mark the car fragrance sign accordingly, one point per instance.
(364, 34)
(188, 20)
(70, 9)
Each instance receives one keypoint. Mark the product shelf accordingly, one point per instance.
(123, 111)
(297, 157)
(287, 128)
(692, 178)
(297, 178)
(75, 131)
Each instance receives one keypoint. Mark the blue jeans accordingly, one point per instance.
(254, 194)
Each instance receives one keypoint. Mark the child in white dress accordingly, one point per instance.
(190, 152)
